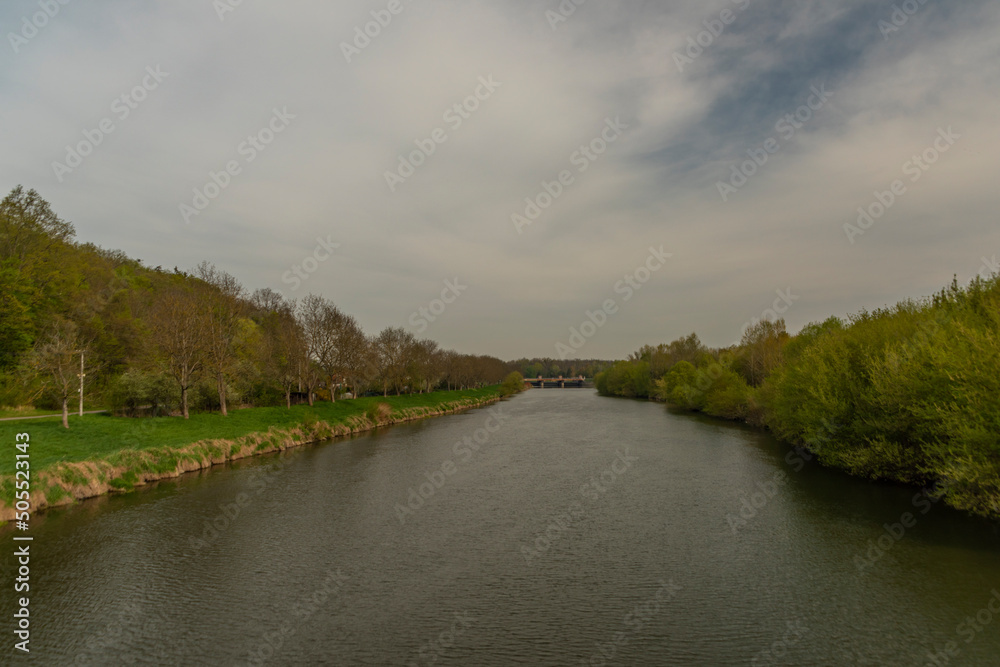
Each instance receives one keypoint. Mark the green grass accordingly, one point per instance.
(97, 436)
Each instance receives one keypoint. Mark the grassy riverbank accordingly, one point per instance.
(99, 454)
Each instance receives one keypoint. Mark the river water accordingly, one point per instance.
(565, 529)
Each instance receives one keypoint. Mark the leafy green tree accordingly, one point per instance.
(16, 326)
(29, 227)
(512, 384)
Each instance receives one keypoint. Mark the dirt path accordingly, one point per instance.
(72, 414)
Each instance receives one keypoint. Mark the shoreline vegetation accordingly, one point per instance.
(907, 394)
(92, 327)
(105, 455)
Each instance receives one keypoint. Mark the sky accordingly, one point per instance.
(541, 178)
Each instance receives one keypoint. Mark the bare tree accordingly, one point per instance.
(319, 318)
(283, 347)
(266, 300)
(178, 327)
(391, 347)
(310, 376)
(449, 367)
(335, 341)
(223, 302)
(354, 352)
(55, 355)
(424, 364)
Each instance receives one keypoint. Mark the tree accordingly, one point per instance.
(223, 303)
(324, 325)
(391, 347)
(423, 367)
(449, 360)
(16, 326)
(512, 384)
(354, 357)
(762, 346)
(310, 375)
(284, 345)
(28, 226)
(55, 355)
(178, 328)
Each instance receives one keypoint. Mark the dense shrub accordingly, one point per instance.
(512, 384)
(909, 393)
(135, 392)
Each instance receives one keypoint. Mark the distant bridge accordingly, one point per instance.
(558, 383)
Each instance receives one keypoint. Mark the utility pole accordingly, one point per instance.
(82, 375)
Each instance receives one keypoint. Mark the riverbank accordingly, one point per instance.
(905, 394)
(982, 499)
(100, 454)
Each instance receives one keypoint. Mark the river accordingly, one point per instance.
(558, 528)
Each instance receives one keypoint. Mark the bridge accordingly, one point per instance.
(558, 383)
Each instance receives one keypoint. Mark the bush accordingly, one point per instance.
(628, 379)
(512, 384)
(133, 391)
(730, 397)
(905, 394)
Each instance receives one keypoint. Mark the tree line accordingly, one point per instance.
(909, 393)
(175, 341)
(553, 368)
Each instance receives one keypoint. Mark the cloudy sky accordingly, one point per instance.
(309, 114)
